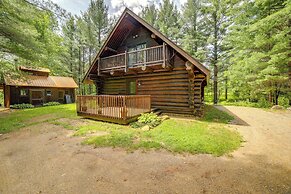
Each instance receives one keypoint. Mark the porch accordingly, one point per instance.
(113, 108)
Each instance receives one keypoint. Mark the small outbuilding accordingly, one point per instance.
(37, 87)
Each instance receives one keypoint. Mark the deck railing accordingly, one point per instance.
(152, 55)
(113, 107)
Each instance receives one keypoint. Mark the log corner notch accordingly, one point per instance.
(195, 89)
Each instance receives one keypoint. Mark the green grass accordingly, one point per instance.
(212, 114)
(23, 118)
(206, 135)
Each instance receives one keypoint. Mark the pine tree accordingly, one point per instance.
(261, 49)
(150, 14)
(216, 21)
(194, 39)
(168, 21)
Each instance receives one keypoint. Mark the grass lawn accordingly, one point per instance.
(206, 135)
(22, 118)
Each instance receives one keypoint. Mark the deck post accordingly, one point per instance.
(164, 55)
(6, 96)
(125, 61)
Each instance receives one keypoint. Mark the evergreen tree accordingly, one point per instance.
(216, 21)
(261, 49)
(194, 39)
(169, 22)
(150, 14)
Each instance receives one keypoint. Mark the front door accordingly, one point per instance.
(131, 87)
(36, 96)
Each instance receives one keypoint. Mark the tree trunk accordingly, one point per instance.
(215, 57)
(226, 88)
(79, 73)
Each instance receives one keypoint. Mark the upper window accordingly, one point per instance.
(136, 56)
(24, 92)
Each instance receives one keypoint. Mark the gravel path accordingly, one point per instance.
(45, 159)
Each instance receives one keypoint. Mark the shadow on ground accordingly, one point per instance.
(237, 120)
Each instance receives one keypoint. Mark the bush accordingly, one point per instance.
(51, 104)
(283, 101)
(21, 106)
(150, 119)
(263, 103)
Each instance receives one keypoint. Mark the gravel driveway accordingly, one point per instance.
(45, 159)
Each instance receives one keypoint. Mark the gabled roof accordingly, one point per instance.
(41, 81)
(154, 31)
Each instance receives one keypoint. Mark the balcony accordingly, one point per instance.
(151, 58)
(120, 109)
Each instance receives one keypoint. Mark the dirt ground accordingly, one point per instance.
(45, 159)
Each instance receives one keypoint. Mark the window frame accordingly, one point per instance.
(46, 93)
(26, 92)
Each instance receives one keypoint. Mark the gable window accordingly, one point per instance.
(48, 93)
(23, 92)
(136, 56)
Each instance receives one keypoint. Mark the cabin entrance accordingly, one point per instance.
(36, 97)
(131, 87)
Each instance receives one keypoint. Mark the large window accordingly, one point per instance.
(136, 57)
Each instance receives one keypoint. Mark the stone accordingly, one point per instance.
(165, 117)
(145, 128)
(289, 108)
(277, 107)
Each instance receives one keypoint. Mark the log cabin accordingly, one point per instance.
(36, 87)
(139, 70)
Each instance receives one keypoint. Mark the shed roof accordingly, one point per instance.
(42, 81)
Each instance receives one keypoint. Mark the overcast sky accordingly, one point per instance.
(115, 6)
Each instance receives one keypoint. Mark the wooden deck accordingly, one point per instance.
(113, 108)
(149, 58)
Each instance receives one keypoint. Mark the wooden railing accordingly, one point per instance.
(152, 55)
(113, 107)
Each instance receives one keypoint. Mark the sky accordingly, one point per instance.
(115, 6)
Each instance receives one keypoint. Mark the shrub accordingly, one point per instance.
(150, 119)
(263, 103)
(51, 104)
(283, 101)
(21, 106)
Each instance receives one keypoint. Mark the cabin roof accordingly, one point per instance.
(123, 29)
(33, 69)
(41, 81)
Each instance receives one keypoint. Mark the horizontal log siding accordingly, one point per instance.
(169, 90)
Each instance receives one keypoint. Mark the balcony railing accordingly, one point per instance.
(144, 57)
(119, 109)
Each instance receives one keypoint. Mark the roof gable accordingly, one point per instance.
(126, 29)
